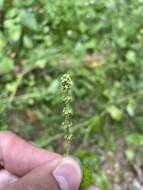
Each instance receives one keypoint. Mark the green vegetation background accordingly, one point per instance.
(100, 43)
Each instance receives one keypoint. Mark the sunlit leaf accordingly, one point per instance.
(129, 154)
(6, 64)
(131, 56)
(1, 4)
(115, 113)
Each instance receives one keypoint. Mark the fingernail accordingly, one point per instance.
(92, 187)
(68, 174)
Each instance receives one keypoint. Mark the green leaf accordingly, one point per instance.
(14, 32)
(121, 41)
(102, 181)
(53, 87)
(41, 63)
(131, 56)
(28, 20)
(6, 64)
(136, 139)
(10, 87)
(87, 178)
(1, 4)
(2, 42)
(129, 154)
(95, 123)
(82, 27)
(115, 113)
(27, 42)
(131, 107)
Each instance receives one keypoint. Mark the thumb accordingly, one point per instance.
(60, 174)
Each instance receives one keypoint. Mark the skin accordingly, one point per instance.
(26, 167)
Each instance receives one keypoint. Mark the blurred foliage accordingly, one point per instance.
(100, 44)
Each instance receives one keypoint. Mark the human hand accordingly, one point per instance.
(26, 167)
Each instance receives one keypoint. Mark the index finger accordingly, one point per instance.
(19, 157)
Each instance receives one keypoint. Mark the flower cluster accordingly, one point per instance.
(66, 84)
